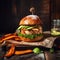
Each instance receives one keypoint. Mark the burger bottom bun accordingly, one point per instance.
(31, 40)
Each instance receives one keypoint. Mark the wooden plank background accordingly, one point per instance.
(12, 11)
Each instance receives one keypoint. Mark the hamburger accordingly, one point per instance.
(30, 28)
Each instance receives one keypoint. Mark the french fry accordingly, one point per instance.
(17, 38)
(23, 52)
(11, 51)
(8, 35)
(6, 38)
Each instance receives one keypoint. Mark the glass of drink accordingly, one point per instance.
(55, 29)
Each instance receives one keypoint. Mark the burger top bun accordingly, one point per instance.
(30, 20)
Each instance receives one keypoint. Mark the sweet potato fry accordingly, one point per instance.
(7, 35)
(7, 38)
(11, 51)
(17, 38)
(23, 52)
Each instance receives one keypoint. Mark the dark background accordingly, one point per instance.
(12, 11)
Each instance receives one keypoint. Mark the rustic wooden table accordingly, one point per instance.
(44, 56)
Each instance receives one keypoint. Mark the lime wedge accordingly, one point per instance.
(51, 50)
(37, 50)
(54, 32)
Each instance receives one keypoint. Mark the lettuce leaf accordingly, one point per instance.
(30, 36)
